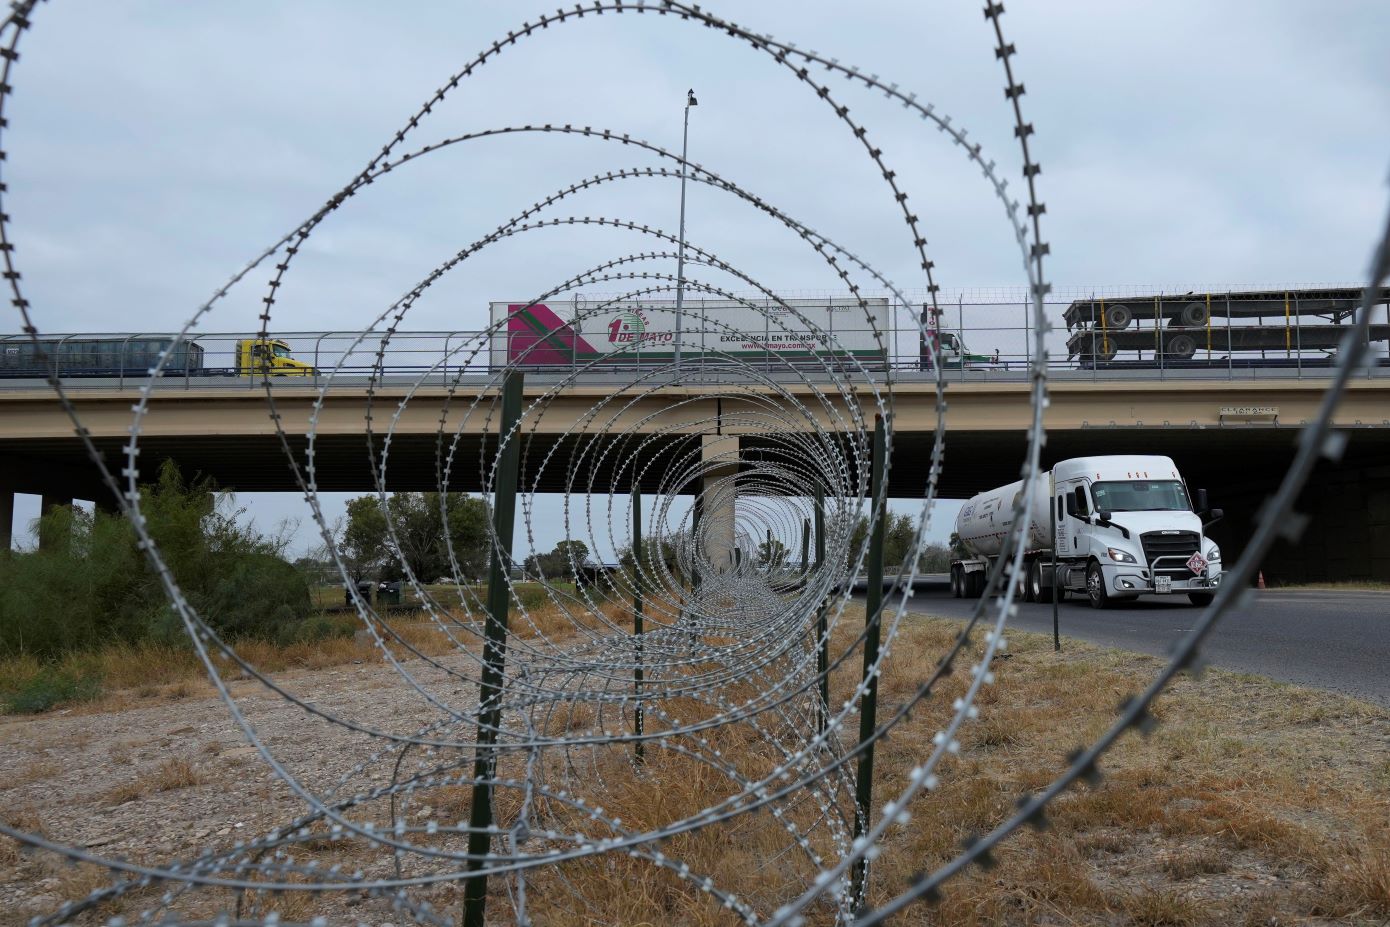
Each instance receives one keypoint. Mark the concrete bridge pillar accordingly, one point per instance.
(6, 519)
(719, 456)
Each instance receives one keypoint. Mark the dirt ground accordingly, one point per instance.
(1253, 803)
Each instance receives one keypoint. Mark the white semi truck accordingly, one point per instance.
(1120, 526)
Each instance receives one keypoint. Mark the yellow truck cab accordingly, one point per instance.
(269, 356)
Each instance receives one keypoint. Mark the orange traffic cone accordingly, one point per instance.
(1260, 584)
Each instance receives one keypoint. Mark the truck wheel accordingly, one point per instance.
(956, 590)
(1025, 583)
(1037, 592)
(1201, 599)
(1095, 586)
(1117, 317)
(1182, 346)
(1193, 315)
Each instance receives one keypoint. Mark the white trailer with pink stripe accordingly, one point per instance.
(1111, 528)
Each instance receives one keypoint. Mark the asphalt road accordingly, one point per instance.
(1331, 640)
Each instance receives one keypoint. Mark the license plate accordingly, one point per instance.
(1163, 584)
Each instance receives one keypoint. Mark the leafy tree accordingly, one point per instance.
(898, 532)
(897, 545)
(658, 558)
(363, 540)
(574, 552)
(418, 520)
(558, 563)
(772, 553)
(935, 558)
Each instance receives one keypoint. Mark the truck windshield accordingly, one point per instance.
(1141, 496)
(280, 351)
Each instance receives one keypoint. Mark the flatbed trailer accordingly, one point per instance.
(1195, 309)
(1186, 343)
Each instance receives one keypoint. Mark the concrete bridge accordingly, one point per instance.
(1234, 437)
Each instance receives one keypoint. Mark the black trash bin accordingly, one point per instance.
(365, 588)
(389, 593)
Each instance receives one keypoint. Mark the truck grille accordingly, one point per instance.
(1181, 544)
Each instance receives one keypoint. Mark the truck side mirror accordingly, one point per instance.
(1102, 515)
(1201, 505)
(1082, 508)
(1214, 516)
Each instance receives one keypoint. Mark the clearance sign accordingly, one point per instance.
(580, 332)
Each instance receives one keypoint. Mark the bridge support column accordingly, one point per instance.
(719, 455)
(6, 519)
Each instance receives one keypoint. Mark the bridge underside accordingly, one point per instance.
(1349, 537)
(1230, 458)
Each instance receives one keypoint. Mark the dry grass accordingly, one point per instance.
(174, 773)
(1195, 862)
(36, 770)
(1358, 884)
(133, 675)
(1252, 803)
(1244, 780)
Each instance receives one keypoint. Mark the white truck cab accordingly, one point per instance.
(1117, 527)
(1126, 526)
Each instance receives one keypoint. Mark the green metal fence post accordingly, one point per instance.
(505, 478)
(822, 634)
(873, 620)
(638, 750)
(696, 509)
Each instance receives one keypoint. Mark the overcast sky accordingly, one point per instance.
(154, 147)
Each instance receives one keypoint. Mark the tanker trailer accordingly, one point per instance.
(983, 524)
(1124, 526)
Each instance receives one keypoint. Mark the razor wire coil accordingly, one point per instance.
(731, 655)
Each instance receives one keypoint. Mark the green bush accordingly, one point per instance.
(317, 627)
(530, 595)
(48, 687)
(90, 585)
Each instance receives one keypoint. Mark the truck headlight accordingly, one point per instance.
(1120, 556)
(1214, 555)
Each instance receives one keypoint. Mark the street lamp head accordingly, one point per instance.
(690, 98)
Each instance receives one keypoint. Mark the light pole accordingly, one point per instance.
(680, 247)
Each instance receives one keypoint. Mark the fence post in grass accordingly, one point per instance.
(805, 548)
(822, 635)
(505, 475)
(873, 620)
(638, 749)
(1056, 584)
(695, 510)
